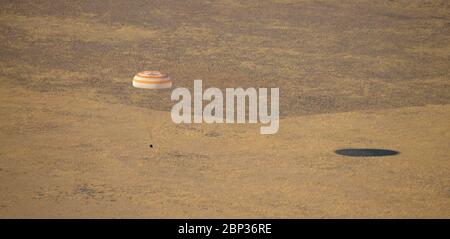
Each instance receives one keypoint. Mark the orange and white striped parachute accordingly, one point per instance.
(152, 80)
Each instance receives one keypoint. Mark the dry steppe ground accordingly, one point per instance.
(75, 135)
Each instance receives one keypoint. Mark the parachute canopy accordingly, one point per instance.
(152, 80)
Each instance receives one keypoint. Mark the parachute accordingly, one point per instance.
(152, 80)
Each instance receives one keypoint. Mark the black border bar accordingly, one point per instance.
(262, 228)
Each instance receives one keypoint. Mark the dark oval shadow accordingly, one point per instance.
(365, 152)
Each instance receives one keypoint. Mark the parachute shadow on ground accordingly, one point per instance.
(366, 152)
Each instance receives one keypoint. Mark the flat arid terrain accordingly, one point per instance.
(75, 135)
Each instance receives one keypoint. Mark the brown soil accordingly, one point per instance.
(75, 136)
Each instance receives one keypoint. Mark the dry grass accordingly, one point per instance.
(74, 134)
